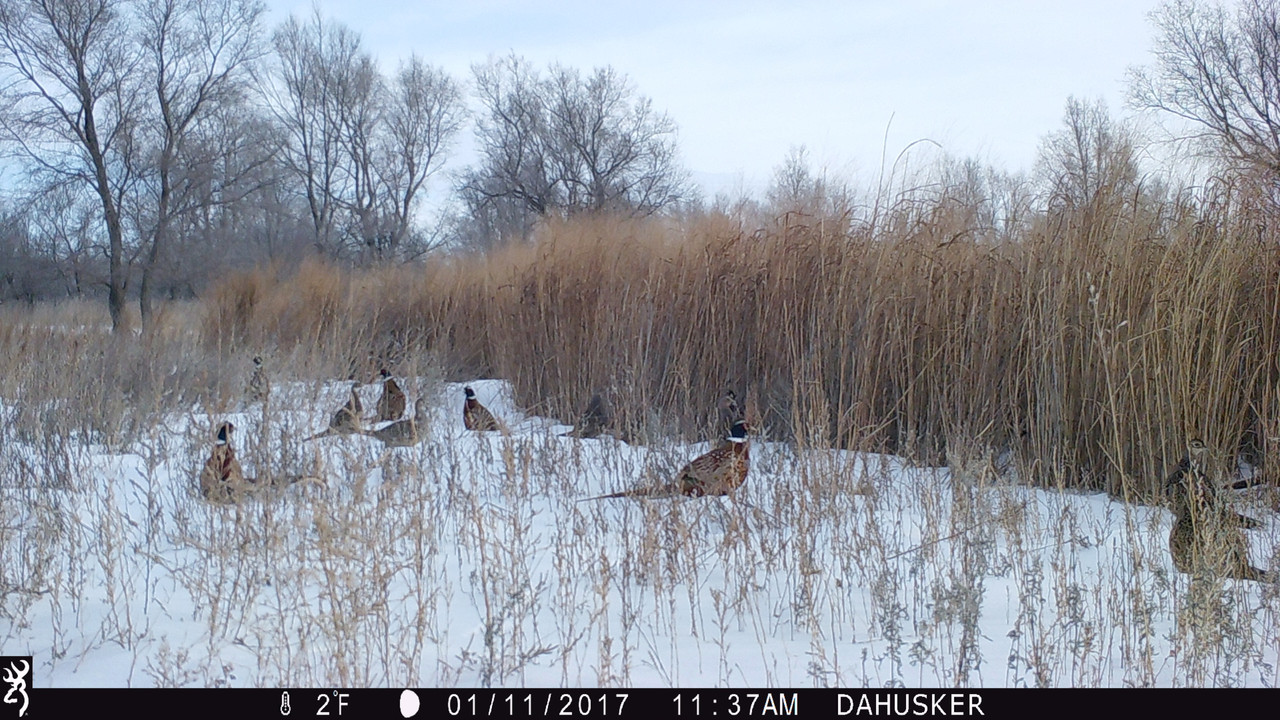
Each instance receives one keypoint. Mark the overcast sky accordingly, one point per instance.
(745, 81)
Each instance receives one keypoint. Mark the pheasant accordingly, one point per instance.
(259, 388)
(597, 418)
(1198, 453)
(391, 403)
(718, 472)
(223, 480)
(727, 413)
(404, 433)
(476, 416)
(346, 420)
(1206, 536)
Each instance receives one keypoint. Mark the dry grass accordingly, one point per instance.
(1095, 343)
(1086, 349)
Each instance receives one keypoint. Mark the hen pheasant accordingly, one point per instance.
(476, 416)
(392, 402)
(718, 472)
(404, 433)
(1206, 536)
(727, 413)
(597, 418)
(346, 420)
(259, 388)
(1199, 454)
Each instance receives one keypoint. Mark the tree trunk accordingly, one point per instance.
(116, 277)
(157, 241)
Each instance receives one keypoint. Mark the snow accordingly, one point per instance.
(471, 559)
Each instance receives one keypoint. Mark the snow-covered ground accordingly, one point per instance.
(470, 559)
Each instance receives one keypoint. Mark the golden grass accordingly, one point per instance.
(1093, 343)
(1090, 346)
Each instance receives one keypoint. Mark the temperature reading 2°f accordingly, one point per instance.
(339, 699)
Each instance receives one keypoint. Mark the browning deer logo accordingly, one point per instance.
(17, 680)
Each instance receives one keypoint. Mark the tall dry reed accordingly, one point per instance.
(1096, 342)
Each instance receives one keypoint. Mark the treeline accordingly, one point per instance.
(155, 144)
(152, 146)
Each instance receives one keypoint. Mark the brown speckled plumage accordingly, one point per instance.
(391, 404)
(222, 480)
(476, 416)
(404, 433)
(718, 472)
(346, 419)
(1207, 537)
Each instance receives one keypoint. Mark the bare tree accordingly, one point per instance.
(974, 201)
(565, 143)
(361, 147)
(230, 205)
(303, 101)
(610, 150)
(1091, 158)
(71, 107)
(29, 269)
(198, 54)
(61, 220)
(423, 116)
(796, 190)
(1220, 71)
(251, 209)
(513, 139)
(356, 95)
(484, 219)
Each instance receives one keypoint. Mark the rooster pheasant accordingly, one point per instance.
(476, 416)
(727, 413)
(718, 472)
(596, 419)
(223, 480)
